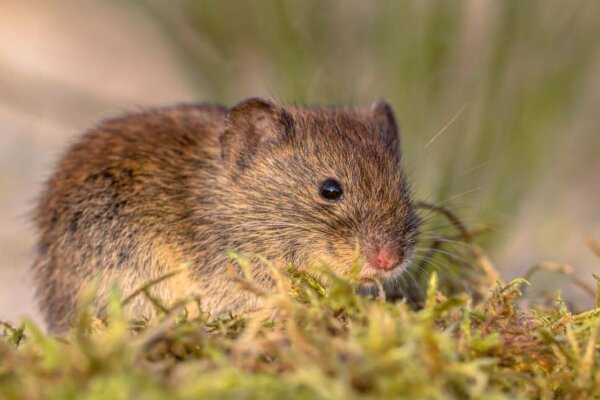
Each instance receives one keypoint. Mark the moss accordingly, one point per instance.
(322, 342)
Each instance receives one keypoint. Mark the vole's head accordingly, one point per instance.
(306, 185)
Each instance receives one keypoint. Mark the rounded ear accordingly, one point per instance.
(250, 125)
(386, 122)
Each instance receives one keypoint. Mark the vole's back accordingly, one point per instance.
(118, 207)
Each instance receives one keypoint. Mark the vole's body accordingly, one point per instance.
(146, 194)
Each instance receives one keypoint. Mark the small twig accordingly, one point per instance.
(564, 269)
(150, 284)
(475, 232)
(155, 301)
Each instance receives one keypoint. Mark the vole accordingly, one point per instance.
(147, 193)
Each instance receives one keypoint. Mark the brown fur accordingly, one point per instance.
(149, 193)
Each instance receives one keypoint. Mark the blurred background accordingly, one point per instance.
(499, 102)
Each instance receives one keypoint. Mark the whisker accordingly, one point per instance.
(448, 124)
(452, 256)
(455, 196)
(447, 241)
(473, 168)
(455, 277)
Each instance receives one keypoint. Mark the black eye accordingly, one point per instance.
(331, 189)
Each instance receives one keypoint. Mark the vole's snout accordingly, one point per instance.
(384, 257)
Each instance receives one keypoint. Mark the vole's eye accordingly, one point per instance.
(331, 189)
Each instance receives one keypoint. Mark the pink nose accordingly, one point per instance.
(384, 258)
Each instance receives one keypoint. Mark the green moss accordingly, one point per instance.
(323, 342)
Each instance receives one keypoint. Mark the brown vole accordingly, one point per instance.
(147, 193)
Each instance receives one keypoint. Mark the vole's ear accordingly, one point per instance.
(250, 125)
(386, 123)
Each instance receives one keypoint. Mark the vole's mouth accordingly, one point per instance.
(372, 279)
(370, 273)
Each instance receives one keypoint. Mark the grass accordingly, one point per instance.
(317, 339)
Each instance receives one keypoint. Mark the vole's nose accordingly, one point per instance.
(384, 257)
